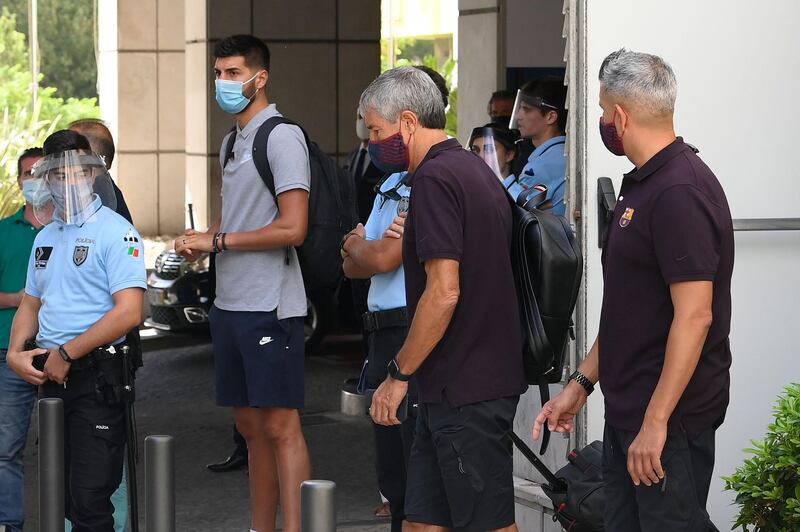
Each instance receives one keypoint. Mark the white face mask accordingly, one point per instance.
(362, 132)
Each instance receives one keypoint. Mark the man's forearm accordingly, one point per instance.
(25, 325)
(375, 256)
(684, 346)
(10, 299)
(430, 322)
(590, 367)
(352, 271)
(115, 324)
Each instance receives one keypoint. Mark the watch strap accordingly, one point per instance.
(64, 355)
(394, 371)
(583, 380)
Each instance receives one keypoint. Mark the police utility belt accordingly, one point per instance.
(383, 319)
(89, 361)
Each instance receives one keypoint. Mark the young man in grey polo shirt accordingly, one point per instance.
(257, 317)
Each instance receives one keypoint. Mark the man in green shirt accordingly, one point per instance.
(17, 233)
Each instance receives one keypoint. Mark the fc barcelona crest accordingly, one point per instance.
(626, 217)
(80, 254)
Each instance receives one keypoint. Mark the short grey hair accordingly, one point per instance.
(404, 89)
(640, 78)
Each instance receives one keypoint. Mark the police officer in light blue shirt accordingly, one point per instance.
(541, 117)
(387, 290)
(84, 292)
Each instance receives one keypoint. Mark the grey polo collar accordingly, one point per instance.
(270, 111)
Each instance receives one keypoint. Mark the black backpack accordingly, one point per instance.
(576, 490)
(548, 265)
(331, 206)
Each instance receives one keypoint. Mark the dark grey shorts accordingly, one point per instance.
(460, 470)
(677, 503)
(259, 359)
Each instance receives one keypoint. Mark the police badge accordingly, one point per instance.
(80, 254)
(402, 205)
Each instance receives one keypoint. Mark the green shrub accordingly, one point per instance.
(767, 485)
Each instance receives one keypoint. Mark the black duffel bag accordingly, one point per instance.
(576, 490)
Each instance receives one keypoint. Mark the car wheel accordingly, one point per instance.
(314, 325)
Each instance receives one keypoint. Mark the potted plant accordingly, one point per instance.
(767, 485)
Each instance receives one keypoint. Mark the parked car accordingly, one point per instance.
(180, 294)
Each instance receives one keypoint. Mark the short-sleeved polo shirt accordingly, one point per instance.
(261, 281)
(387, 291)
(75, 270)
(671, 224)
(16, 235)
(459, 211)
(547, 165)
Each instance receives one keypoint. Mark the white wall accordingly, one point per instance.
(737, 67)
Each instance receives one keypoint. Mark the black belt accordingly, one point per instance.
(381, 319)
(95, 355)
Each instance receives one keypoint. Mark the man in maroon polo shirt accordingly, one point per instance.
(463, 344)
(662, 353)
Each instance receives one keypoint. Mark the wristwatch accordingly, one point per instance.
(394, 371)
(581, 379)
(64, 355)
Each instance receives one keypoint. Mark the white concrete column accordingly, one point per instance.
(480, 53)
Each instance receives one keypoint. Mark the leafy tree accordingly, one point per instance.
(66, 43)
(21, 126)
(408, 52)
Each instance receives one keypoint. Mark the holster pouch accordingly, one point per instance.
(108, 384)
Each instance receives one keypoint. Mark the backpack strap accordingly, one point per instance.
(229, 146)
(556, 483)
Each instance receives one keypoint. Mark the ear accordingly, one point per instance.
(262, 77)
(510, 155)
(409, 122)
(621, 119)
(551, 117)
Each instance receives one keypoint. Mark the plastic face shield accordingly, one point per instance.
(482, 143)
(526, 101)
(493, 145)
(69, 183)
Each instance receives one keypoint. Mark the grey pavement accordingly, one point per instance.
(175, 396)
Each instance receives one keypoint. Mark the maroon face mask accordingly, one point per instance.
(389, 154)
(612, 140)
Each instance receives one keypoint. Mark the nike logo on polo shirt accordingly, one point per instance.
(265, 340)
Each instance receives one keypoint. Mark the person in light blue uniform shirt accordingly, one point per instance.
(387, 290)
(84, 292)
(541, 117)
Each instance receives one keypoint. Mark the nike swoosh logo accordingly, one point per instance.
(265, 340)
(679, 259)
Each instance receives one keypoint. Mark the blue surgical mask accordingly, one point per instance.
(230, 95)
(30, 189)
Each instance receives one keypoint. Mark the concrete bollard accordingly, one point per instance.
(51, 465)
(159, 459)
(318, 506)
